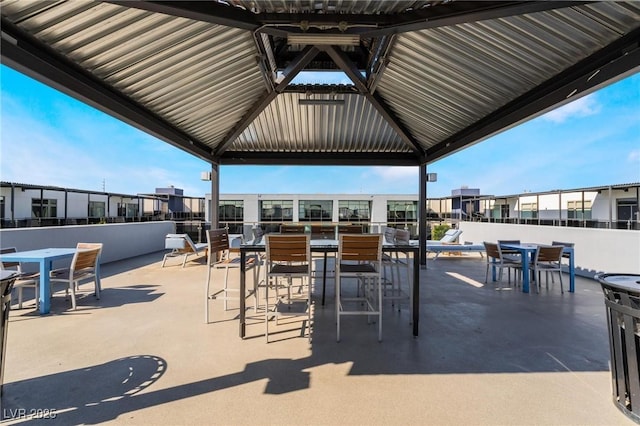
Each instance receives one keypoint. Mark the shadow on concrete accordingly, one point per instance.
(464, 330)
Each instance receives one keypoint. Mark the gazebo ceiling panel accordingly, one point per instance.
(456, 75)
(428, 78)
(287, 126)
(178, 68)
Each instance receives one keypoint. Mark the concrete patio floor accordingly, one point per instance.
(143, 355)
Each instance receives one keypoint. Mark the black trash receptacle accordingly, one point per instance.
(622, 301)
(6, 285)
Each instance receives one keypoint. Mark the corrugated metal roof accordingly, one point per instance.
(457, 75)
(287, 126)
(198, 76)
(198, 70)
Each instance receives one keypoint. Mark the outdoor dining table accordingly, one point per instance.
(330, 246)
(528, 250)
(45, 258)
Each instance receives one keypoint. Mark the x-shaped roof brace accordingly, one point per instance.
(349, 68)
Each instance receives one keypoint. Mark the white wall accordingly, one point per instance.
(121, 240)
(596, 250)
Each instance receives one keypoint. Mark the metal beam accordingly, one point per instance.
(378, 61)
(290, 72)
(30, 57)
(349, 68)
(619, 59)
(204, 11)
(318, 158)
(462, 12)
(455, 11)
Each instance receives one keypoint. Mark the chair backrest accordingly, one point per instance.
(548, 253)
(365, 247)
(403, 236)
(493, 250)
(85, 259)
(390, 235)
(258, 232)
(217, 240)
(350, 229)
(9, 264)
(292, 229)
(288, 248)
(323, 232)
(451, 236)
(560, 243)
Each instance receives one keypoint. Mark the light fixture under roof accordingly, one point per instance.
(321, 102)
(328, 39)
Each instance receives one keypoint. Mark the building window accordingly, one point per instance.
(231, 211)
(128, 210)
(276, 211)
(529, 211)
(627, 209)
(402, 211)
(579, 210)
(1, 206)
(315, 210)
(96, 209)
(354, 211)
(41, 208)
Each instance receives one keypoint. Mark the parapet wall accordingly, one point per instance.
(121, 240)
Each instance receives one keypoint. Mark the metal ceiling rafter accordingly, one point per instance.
(319, 158)
(26, 54)
(446, 10)
(462, 12)
(205, 11)
(379, 61)
(289, 74)
(350, 69)
(615, 61)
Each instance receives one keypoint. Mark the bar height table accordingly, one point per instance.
(331, 246)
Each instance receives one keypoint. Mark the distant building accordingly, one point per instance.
(24, 205)
(614, 206)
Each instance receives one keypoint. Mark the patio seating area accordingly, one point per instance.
(142, 355)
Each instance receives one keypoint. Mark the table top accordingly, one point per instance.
(326, 244)
(532, 246)
(39, 254)
(629, 282)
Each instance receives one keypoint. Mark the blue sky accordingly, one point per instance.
(48, 138)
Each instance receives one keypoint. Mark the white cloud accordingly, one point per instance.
(582, 107)
(395, 174)
(634, 156)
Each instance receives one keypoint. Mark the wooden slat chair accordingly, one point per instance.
(288, 257)
(218, 257)
(181, 245)
(350, 229)
(24, 279)
(84, 266)
(547, 259)
(359, 258)
(496, 259)
(292, 229)
(510, 254)
(564, 244)
(402, 262)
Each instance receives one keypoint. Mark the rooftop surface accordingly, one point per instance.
(143, 355)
